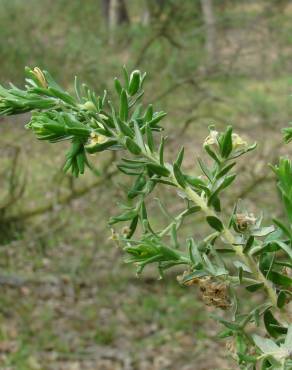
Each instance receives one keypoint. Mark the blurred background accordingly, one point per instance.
(67, 300)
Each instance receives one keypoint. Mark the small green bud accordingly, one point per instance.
(134, 85)
(88, 106)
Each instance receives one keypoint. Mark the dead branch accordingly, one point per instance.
(66, 199)
(16, 185)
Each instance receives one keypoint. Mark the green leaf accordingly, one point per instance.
(287, 134)
(51, 82)
(284, 175)
(270, 323)
(286, 248)
(254, 287)
(194, 252)
(239, 264)
(225, 170)
(281, 299)
(225, 251)
(162, 181)
(283, 227)
(62, 95)
(144, 215)
(204, 169)
(81, 162)
(225, 333)
(137, 112)
(126, 216)
(263, 231)
(133, 226)
(138, 135)
(266, 345)
(178, 175)
(256, 317)
(215, 223)
(77, 88)
(128, 171)
(157, 169)
(100, 147)
(132, 146)
(280, 279)
(118, 86)
(230, 325)
(157, 117)
(161, 151)
(78, 131)
(284, 263)
(196, 182)
(150, 140)
(149, 113)
(137, 187)
(58, 128)
(134, 163)
(126, 76)
(247, 358)
(124, 128)
(266, 263)
(193, 275)
(240, 274)
(212, 154)
(180, 157)
(240, 344)
(222, 184)
(174, 239)
(226, 142)
(248, 244)
(191, 210)
(124, 108)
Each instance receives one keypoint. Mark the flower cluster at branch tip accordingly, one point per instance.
(213, 140)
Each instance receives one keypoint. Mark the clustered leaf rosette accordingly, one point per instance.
(260, 256)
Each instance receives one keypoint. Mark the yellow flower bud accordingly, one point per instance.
(40, 76)
(89, 106)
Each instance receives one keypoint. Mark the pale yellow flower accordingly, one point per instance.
(114, 235)
(126, 231)
(211, 139)
(238, 142)
(97, 139)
